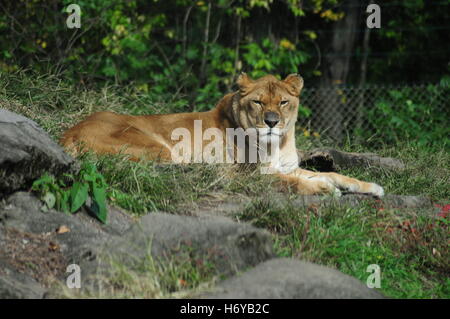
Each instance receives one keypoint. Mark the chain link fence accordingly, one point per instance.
(386, 112)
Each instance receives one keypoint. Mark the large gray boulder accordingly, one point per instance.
(227, 246)
(291, 279)
(27, 152)
(231, 246)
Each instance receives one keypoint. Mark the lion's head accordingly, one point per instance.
(268, 104)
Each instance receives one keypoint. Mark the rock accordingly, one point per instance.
(14, 285)
(229, 245)
(291, 279)
(52, 250)
(331, 160)
(27, 152)
(11, 117)
(22, 211)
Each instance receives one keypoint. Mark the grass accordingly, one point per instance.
(410, 246)
(427, 171)
(147, 186)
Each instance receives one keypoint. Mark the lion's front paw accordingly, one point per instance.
(376, 190)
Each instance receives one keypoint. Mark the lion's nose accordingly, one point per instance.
(271, 119)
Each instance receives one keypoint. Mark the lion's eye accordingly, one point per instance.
(284, 103)
(257, 102)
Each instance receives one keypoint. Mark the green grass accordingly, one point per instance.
(141, 187)
(410, 246)
(427, 171)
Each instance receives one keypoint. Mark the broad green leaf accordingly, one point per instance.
(62, 200)
(46, 179)
(99, 203)
(78, 196)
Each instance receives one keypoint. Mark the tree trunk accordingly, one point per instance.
(205, 44)
(335, 69)
(362, 81)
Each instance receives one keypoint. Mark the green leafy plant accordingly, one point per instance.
(404, 115)
(88, 188)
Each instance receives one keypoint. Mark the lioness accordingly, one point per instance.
(267, 105)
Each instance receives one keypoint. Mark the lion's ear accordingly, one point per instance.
(295, 84)
(244, 82)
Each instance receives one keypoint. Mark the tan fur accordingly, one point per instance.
(149, 136)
